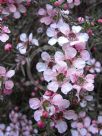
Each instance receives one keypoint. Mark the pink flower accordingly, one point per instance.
(9, 84)
(4, 34)
(86, 83)
(48, 62)
(2, 71)
(58, 77)
(8, 47)
(7, 92)
(25, 42)
(60, 102)
(69, 35)
(47, 14)
(72, 3)
(99, 20)
(95, 66)
(6, 83)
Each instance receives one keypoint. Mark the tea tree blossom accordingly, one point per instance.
(95, 66)
(16, 8)
(59, 78)
(4, 33)
(69, 35)
(48, 62)
(72, 3)
(55, 108)
(47, 14)
(6, 84)
(19, 125)
(25, 42)
(84, 126)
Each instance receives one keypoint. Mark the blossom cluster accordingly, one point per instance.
(70, 68)
(6, 84)
(4, 31)
(19, 125)
(13, 7)
(67, 72)
(85, 126)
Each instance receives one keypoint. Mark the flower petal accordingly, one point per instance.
(79, 63)
(10, 73)
(62, 40)
(76, 29)
(23, 37)
(34, 103)
(37, 115)
(67, 87)
(45, 56)
(61, 126)
(53, 86)
(52, 41)
(41, 67)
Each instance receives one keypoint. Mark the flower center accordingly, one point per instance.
(72, 36)
(50, 65)
(60, 77)
(58, 116)
(80, 80)
(45, 104)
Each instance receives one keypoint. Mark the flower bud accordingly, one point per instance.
(8, 47)
(40, 124)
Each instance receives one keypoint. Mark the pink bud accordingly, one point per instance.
(99, 20)
(7, 92)
(92, 23)
(57, 3)
(40, 124)
(9, 85)
(8, 47)
(65, 6)
(90, 32)
(45, 114)
(33, 94)
(16, 108)
(48, 93)
(81, 19)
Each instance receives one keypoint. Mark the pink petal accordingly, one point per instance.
(61, 126)
(45, 56)
(59, 56)
(85, 55)
(48, 75)
(79, 63)
(42, 11)
(34, 103)
(10, 73)
(70, 52)
(37, 115)
(56, 99)
(12, 8)
(51, 32)
(4, 37)
(41, 67)
(67, 87)
(87, 122)
(52, 41)
(53, 86)
(69, 115)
